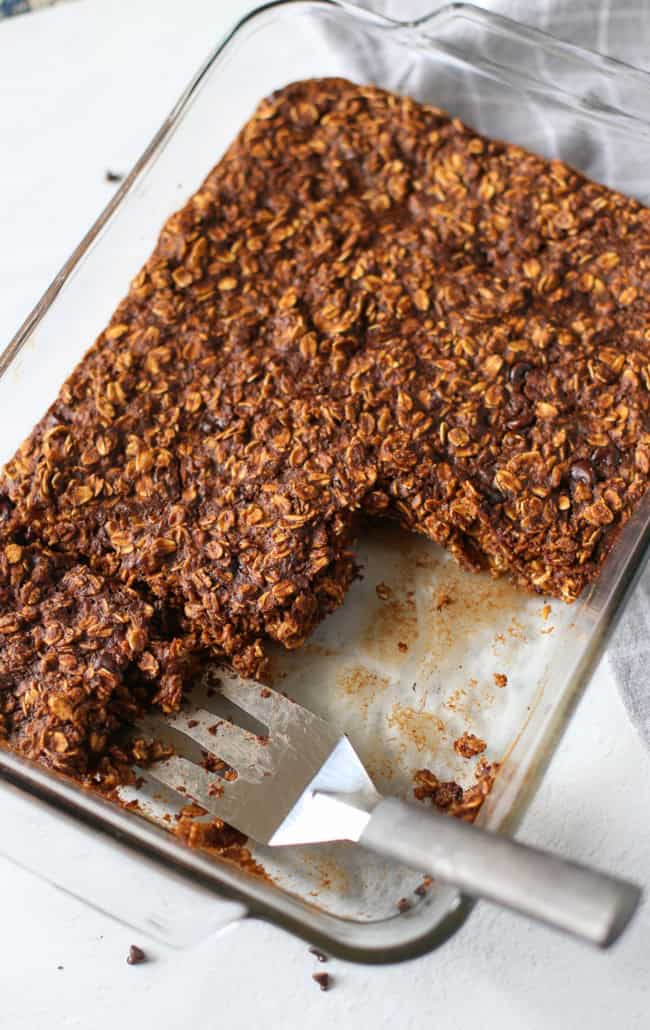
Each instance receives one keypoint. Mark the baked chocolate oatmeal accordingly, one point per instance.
(366, 310)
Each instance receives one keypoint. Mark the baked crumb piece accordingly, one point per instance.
(500, 679)
(210, 833)
(319, 955)
(136, 956)
(464, 803)
(468, 746)
(215, 836)
(423, 888)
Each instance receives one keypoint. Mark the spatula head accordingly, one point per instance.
(286, 785)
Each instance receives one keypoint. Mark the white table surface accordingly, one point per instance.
(73, 102)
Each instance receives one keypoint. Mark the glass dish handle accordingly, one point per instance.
(106, 872)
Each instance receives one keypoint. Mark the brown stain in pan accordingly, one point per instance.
(380, 769)
(456, 700)
(391, 628)
(362, 687)
(360, 680)
(466, 621)
(516, 630)
(468, 703)
(318, 650)
(327, 872)
(422, 600)
(417, 726)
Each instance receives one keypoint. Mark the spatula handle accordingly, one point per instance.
(589, 904)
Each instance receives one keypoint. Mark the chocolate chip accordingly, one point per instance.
(136, 955)
(489, 491)
(403, 904)
(420, 890)
(535, 385)
(109, 664)
(111, 176)
(322, 979)
(606, 459)
(582, 472)
(320, 955)
(493, 496)
(522, 421)
(518, 412)
(519, 371)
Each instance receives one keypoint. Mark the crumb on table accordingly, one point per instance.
(136, 955)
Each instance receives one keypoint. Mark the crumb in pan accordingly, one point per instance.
(464, 803)
(469, 745)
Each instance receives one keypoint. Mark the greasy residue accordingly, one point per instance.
(417, 726)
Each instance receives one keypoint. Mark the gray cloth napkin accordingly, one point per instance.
(622, 30)
(629, 656)
(10, 7)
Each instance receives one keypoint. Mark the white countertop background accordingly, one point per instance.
(75, 100)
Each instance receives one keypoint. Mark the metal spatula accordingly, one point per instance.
(305, 784)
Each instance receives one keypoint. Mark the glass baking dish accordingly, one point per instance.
(406, 669)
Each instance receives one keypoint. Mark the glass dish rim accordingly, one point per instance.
(104, 817)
